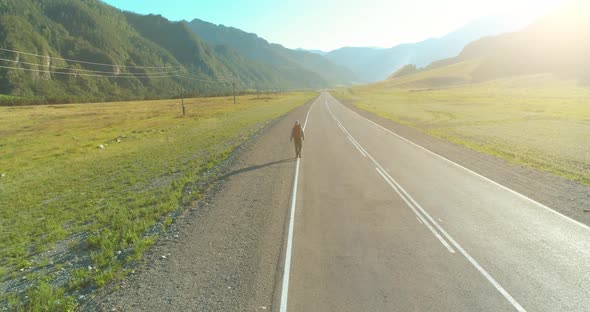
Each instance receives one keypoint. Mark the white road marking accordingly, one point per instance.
(419, 220)
(307, 116)
(381, 171)
(288, 252)
(440, 220)
(393, 183)
(356, 142)
(469, 170)
(352, 140)
(357, 147)
(420, 217)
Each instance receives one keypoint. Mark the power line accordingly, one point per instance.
(90, 63)
(204, 80)
(95, 73)
(88, 70)
(206, 77)
(201, 75)
(164, 75)
(129, 76)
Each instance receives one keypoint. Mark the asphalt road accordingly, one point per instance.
(381, 224)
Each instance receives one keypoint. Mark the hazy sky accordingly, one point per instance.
(331, 24)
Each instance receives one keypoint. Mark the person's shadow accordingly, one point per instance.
(255, 167)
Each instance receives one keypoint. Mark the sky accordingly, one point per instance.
(330, 24)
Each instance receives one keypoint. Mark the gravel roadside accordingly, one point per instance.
(224, 253)
(565, 196)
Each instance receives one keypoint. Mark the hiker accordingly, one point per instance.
(297, 135)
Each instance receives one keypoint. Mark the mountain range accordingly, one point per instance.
(374, 64)
(260, 50)
(86, 50)
(557, 44)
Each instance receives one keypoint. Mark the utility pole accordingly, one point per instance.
(233, 79)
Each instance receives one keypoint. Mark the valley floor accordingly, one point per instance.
(538, 121)
(531, 137)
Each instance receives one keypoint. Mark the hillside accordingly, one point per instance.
(372, 64)
(298, 62)
(85, 50)
(557, 44)
(561, 44)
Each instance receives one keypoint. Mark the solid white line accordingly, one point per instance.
(288, 252)
(470, 171)
(498, 287)
(308, 111)
(382, 171)
(357, 143)
(354, 142)
(341, 128)
(287, 269)
(442, 240)
(351, 141)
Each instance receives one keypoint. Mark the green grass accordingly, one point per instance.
(537, 121)
(62, 192)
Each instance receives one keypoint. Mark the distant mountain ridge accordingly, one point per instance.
(373, 64)
(260, 50)
(142, 57)
(319, 52)
(557, 45)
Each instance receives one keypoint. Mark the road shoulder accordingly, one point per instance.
(224, 253)
(562, 195)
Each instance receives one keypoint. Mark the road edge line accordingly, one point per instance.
(288, 251)
(391, 181)
(469, 170)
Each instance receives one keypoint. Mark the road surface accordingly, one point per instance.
(379, 223)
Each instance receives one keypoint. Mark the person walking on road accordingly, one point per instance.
(298, 136)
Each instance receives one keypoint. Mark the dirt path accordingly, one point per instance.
(223, 255)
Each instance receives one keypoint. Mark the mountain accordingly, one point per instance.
(319, 52)
(260, 50)
(86, 50)
(557, 44)
(373, 64)
(180, 40)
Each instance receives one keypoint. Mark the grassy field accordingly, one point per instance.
(83, 185)
(537, 121)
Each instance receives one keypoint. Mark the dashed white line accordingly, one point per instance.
(469, 170)
(384, 174)
(393, 183)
